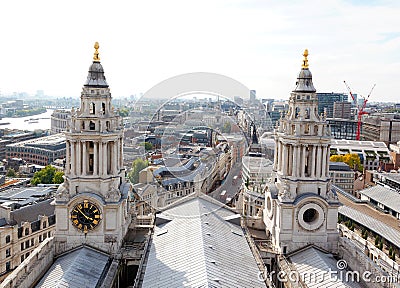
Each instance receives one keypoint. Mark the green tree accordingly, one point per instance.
(381, 245)
(137, 165)
(353, 160)
(48, 175)
(226, 128)
(11, 173)
(58, 177)
(124, 112)
(376, 240)
(147, 145)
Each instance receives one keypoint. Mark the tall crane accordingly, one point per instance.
(360, 108)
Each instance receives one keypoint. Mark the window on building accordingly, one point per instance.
(26, 231)
(32, 242)
(8, 239)
(40, 238)
(92, 108)
(44, 224)
(49, 234)
(22, 246)
(92, 126)
(8, 266)
(27, 244)
(8, 252)
(22, 258)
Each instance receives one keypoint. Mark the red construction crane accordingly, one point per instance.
(360, 108)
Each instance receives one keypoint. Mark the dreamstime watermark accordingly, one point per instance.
(341, 274)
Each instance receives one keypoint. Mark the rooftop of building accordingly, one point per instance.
(357, 144)
(83, 267)
(47, 142)
(390, 176)
(17, 197)
(257, 163)
(31, 213)
(373, 224)
(312, 261)
(212, 240)
(338, 166)
(384, 195)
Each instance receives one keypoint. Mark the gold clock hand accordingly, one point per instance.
(87, 217)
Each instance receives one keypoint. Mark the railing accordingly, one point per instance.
(289, 266)
(146, 249)
(256, 254)
(384, 262)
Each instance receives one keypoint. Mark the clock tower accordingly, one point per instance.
(300, 206)
(92, 203)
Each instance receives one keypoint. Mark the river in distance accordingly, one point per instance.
(30, 123)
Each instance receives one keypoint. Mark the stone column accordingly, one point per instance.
(115, 157)
(84, 160)
(276, 155)
(313, 161)
(121, 151)
(303, 162)
(290, 159)
(105, 164)
(298, 155)
(319, 160)
(327, 160)
(73, 158)
(78, 158)
(67, 157)
(95, 158)
(285, 158)
(323, 171)
(295, 165)
(279, 160)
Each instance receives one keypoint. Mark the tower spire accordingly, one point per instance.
(96, 52)
(305, 60)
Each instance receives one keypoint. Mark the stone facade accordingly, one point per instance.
(94, 171)
(300, 207)
(60, 120)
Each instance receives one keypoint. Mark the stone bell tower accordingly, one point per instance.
(92, 203)
(300, 207)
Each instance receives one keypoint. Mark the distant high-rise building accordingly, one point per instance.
(326, 100)
(342, 110)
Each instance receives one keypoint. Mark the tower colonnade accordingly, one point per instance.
(93, 158)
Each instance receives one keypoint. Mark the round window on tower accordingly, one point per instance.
(311, 216)
(269, 206)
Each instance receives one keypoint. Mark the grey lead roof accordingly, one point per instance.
(81, 268)
(313, 267)
(197, 245)
(373, 224)
(388, 197)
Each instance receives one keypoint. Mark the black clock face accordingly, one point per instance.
(85, 216)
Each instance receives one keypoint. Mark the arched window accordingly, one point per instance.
(26, 231)
(307, 113)
(92, 108)
(92, 126)
(8, 239)
(103, 108)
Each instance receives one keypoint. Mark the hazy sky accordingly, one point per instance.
(48, 45)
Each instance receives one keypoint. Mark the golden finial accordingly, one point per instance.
(305, 60)
(96, 52)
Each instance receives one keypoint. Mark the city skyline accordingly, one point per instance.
(258, 43)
